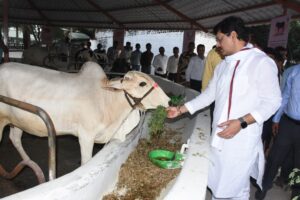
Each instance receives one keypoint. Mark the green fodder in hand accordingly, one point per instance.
(176, 100)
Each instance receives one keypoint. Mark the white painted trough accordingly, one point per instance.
(99, 176)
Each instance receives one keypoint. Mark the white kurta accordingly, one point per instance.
(195, 69)
(160, 61)
(256, 91)
(172, 64)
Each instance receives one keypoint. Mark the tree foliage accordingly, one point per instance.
(260, 35)
(294, 41)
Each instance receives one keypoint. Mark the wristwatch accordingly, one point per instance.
(243, 123)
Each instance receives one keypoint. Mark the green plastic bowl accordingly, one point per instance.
(166, 159)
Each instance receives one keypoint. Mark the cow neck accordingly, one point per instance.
(231, 84)
(137, 101)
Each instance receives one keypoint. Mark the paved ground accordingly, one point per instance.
(68, 159)
(276, 193)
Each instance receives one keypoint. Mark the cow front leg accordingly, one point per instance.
(86, 147)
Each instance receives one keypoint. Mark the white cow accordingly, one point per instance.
(86, 104)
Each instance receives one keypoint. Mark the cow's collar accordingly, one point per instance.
(137, 101)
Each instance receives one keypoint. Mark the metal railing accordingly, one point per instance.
(50, 128)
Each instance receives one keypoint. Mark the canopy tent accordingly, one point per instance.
(145, 14)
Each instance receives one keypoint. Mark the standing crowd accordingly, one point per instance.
(186, 68)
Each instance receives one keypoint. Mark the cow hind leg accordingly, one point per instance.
(3, 123)
(15, 136)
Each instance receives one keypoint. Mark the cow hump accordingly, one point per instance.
(92, 69)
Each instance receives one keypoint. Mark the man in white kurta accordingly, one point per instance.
(160, 63)
(246, 93)
(172, 64)
(194, 72)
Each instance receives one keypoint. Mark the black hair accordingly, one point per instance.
(280, 48)
(278, 55)
(230, 24)
(275, 53)
(270, 50)
(191, 43)
(200, 45)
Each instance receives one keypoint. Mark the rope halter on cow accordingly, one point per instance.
(137, 101)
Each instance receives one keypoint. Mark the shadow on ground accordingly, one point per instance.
(68, 159)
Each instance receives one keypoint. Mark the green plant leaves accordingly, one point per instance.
(157, 121)
(294, 177)
(176, 100)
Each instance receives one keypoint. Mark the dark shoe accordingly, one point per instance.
(260, 194)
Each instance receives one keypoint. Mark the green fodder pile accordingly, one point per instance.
(139, 179)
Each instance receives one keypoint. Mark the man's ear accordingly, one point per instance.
(233, 35)
(115, 83)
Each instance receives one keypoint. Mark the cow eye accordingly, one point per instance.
(142, 84)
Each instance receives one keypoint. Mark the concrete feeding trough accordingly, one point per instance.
(99, 176)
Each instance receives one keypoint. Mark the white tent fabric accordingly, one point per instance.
(145, 14)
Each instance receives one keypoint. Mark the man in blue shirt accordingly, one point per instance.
(286, 127)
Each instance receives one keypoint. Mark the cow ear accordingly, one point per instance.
(115, 83)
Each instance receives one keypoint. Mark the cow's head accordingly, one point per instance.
(139, 85)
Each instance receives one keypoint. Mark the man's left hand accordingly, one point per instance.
(230, 128)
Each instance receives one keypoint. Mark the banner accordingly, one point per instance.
(279, 31)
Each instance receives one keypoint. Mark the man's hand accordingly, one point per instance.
(275, 127)
(230, 128)
(172, 112)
